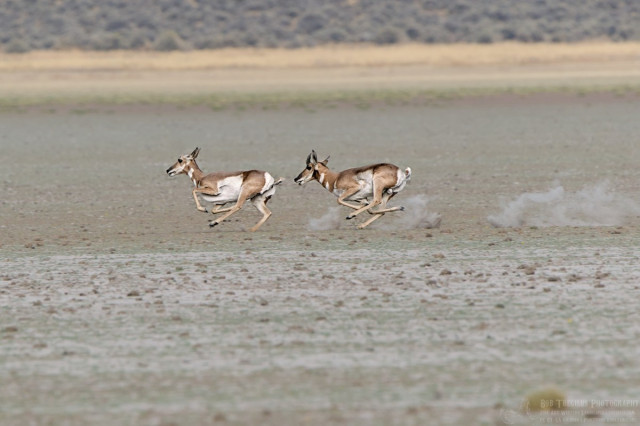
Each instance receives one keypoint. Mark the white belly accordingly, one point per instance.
(229, 189)
(363, 194)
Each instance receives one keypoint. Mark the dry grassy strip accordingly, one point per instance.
(309, 100)
(327, 56)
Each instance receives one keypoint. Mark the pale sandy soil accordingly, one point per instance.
(130, 77)
(129, 86)
(451, 334)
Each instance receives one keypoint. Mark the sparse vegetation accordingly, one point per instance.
(180, 24)
(168, 41)
(16, 46)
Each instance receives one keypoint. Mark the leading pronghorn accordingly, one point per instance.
(221, 188)
(369, 185)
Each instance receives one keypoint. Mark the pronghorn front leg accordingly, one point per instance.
(375, 217)
(219, 209)
(206, 191)
(243, 197)
(346, 194)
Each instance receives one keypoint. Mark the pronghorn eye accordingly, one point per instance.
(179, 160)
(308, 167)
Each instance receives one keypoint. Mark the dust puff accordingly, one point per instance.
(328, 221)
(416, 214)
(596, 205)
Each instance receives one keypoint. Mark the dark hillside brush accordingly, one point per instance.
(182, 24)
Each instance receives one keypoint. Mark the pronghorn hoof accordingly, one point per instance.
(212, 224)
(350, 217)
(401, 208)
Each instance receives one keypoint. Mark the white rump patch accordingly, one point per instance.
(401, 181)
(268, 182)
(596, 205)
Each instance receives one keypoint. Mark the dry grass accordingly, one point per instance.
(456, 55)
(344, 74)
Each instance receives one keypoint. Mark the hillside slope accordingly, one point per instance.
(198, 24)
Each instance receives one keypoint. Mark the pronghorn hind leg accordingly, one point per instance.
(378, 187)
(375, 217)
(241, 199)
(261, 205)
(383, 208)
(372, 204)
(378, 213)
(389, 210)
(363, 203)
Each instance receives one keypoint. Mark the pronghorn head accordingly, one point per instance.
(313, 169)
(183, 163)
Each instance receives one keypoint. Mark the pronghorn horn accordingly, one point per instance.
(195, 152)
(315, 157)
(309, 159)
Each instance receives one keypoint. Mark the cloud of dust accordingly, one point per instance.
(415, 214)
(328, 221)
(596, 205)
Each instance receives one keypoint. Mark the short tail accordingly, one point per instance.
(279, 181)
(407, 173)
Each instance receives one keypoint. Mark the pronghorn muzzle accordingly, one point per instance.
(176, 169)
(307, 173)
(304, 177)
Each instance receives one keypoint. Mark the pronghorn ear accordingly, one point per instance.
(195, 152)
(325, 161)
(315, 157)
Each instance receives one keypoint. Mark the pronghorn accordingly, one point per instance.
(221, 188)
(369, 185)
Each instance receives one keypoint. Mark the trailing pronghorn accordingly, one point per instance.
(221, 188)
(369, 185)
